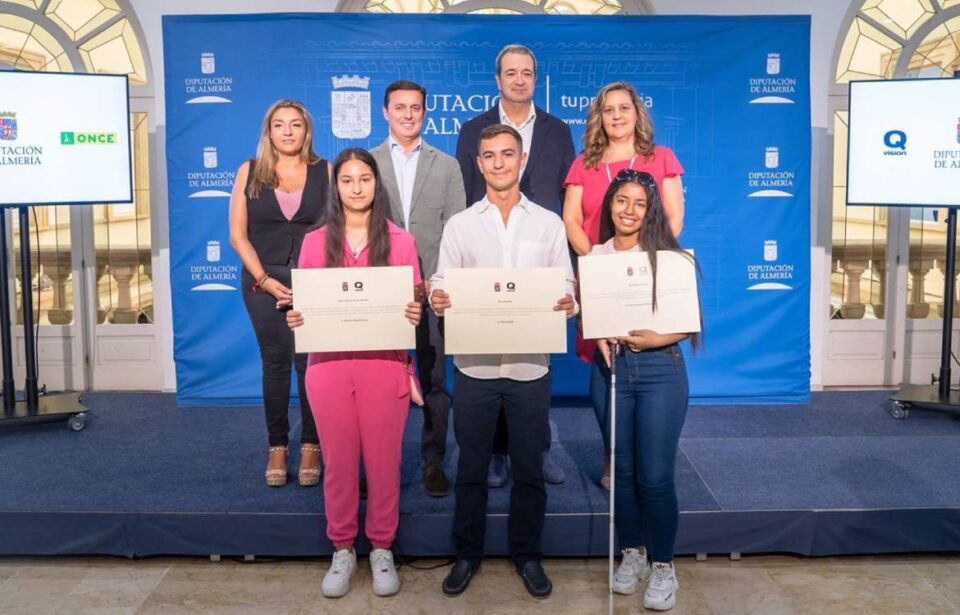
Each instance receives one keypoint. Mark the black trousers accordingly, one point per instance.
(526, 406)
(501, 436)
(275, 340)
(432, 371)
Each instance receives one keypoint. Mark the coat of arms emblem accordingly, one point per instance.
(208, 63)
(210, 158)
(8, 126)
(770, 250)
(350, 107)
(773, 63)
(213, 251)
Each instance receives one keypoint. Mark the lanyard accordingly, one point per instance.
(606, 167)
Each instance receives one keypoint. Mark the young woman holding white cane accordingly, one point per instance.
(652, 403)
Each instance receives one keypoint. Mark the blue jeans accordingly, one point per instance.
(600, 397)
(652, 393)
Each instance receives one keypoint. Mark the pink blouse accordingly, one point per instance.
(289, 202)
(403, 251)
(662, 164)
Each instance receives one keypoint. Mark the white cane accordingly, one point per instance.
(612, 417)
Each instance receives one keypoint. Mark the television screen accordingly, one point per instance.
(64, 139)
(904, 143)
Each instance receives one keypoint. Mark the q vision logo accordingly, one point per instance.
(896, 143)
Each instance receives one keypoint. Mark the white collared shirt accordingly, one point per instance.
(477, 237)
(405, 168)
(525, 128)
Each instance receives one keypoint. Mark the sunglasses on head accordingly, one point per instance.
(632, 175)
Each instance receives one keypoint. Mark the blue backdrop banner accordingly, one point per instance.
(730, 95)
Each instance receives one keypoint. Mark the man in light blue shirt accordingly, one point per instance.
(405, 161)
(425, 189)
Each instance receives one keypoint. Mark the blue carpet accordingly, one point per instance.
(154, 464)
(841, 414)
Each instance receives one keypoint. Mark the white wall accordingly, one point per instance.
(827, 18)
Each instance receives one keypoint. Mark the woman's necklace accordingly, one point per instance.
(357, 246)
(606, 166)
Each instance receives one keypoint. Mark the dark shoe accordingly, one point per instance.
(552, 473)
(459, 578)
(497, 474)
(535, 579)
(434, 480)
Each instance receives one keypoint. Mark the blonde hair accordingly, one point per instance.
(265, 164)
(595, 139)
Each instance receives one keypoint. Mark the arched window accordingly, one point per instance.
(89, 36)
(500, 7)
(888, 39)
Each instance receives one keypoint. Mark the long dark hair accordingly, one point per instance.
(655, 233)
(378, 234)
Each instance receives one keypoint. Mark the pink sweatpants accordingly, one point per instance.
(360, 407)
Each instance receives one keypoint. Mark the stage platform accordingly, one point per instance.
(837, 476)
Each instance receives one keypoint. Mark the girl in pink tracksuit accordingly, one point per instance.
(360, 400)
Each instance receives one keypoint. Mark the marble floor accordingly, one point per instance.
(756, 585)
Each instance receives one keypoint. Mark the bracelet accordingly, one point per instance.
(260, 281)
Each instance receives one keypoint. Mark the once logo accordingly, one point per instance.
(88, 138)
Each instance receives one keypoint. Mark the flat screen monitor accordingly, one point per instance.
(904, 143)
(64, 139)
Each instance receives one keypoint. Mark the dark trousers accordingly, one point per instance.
(526, 406)
(500, 437)
(432, 371)
(652, 393)
(275, 340)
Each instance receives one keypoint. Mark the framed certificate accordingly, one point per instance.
(504, 311)
(353, 308)
(616, 294)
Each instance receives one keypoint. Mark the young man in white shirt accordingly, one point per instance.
(550, 152)
(504, 229)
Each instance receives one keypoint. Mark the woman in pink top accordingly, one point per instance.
(365, 395)
(618, 136)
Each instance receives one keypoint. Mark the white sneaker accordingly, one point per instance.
(661, 594)
(336, 582)
(385, 579)
(633, 567)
